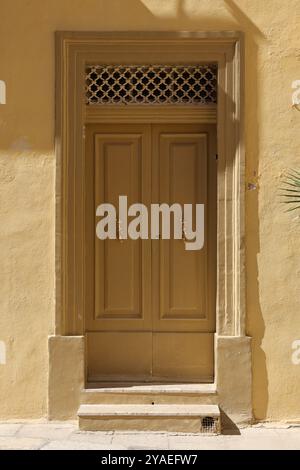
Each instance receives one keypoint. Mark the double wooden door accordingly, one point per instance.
(150, 304)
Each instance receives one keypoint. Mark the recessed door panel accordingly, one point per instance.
(183, 357)
(182, 165)
(119, 356)
(118, 269)
(118, 264)
(184, 172)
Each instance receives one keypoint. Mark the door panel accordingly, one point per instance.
(118, 267)
(183, 162)
(181, 357)
(150, 306)
(119, 356)
(119, 270)
(182, 179)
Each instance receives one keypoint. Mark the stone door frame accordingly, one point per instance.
(232, 346)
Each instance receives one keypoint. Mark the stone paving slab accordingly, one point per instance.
(9, 429)
(196, 443)
(73, 445)
(100, 437)
(141, 441)
(46, 431)
(19, 443)
(66, 436)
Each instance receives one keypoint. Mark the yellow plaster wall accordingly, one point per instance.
(27, 173)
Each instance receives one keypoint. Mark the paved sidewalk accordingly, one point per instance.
(65, 436)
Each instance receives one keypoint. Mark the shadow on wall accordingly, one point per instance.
(230, 16)
(255, 321)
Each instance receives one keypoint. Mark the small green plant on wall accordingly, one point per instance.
(291, 190)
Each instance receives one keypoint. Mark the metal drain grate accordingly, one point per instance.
(151, 84)
(210, 425)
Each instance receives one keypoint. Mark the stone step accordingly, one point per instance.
(138, 417)
(201, 394)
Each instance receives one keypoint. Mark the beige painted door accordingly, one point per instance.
(150, 307)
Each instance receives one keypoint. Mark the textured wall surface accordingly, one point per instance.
(27, 163)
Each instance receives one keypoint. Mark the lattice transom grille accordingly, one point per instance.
(151, 84)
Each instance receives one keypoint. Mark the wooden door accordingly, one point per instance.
(150, 306)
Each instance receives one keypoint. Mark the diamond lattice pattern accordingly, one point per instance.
(151, 84)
